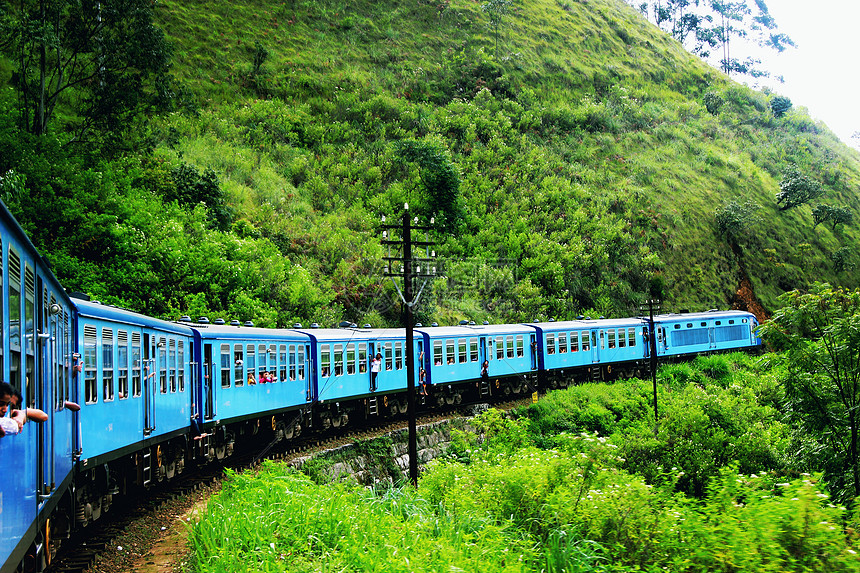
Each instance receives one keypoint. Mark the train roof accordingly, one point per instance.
(474, 330)
(353, 333)
(97, 310)
(586, 324)
(707, 315)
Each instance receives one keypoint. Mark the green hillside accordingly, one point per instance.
(591, 156)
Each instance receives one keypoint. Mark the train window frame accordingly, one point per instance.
(509, 343)
(172, 366)
(301, 361)
(731, 321)
(602, 337)
(107, 365)
(293, 362)
(388, 352)
(162, 364)
(238, 365)
(622, 338)
(283, 363)
(90, 358)
(2, 310)
(325, 360)
(562, 342)
(362, 358)
(550, 343)
(500, 348)
(611, 335)
(473, 349)
(338, 359)
(226, 368)
(450, 351)
(398, 355)
(574, 341)
(262, 361)
(15, 300)
(585, 340)
(718, 322)
(631, 337)
(438, 353)
(521, 346)
(689, 325)
(350, 359)
(250, 364)
(180, 372)
(30, 338)
(136, 364)
(462, 350)
(703, 324)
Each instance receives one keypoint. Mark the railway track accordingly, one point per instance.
(125, 535)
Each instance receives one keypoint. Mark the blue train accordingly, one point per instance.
(133, 400)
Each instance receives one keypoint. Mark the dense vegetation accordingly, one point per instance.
(584, 161)
(578, 482)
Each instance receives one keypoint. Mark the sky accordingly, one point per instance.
(822, 73)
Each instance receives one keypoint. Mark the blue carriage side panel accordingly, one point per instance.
(693, 333)
(36, 323)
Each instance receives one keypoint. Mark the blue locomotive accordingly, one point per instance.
(134, 400)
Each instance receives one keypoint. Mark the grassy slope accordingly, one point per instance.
(594, 142)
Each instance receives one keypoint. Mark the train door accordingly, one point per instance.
(371, 353)
(207, 391)
(149, 383)
(712, 340)
(306, 370)
(534, 351)
(597, 341)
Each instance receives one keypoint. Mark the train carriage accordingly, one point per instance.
(679, 335)
(249, 374)
(456, 354)
(35, 358)
(590, 349)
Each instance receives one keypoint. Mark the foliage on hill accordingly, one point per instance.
(589, 157)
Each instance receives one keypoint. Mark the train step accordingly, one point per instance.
(373, 406)
(147, 468)
(485, 388)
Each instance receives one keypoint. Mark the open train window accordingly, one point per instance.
(338, 359)
(262, 361)
(611, 336)
(500, 348)
(162, 364)
(509, 341)
(350, 358)
(250, 364)
(438, 355)
(30, 335)
(107, 364)
(389, 356)
(574, 342)
(550, 343)
(461, 351)
(398, 356)
(135, 364)
(293, 362)
(284, 364)
(172, 365)
(450, 352)
(362, 358)
(122, 363)
(226, 366)
(622, 339)
(90, 365)
(631, 337)
(180, 372)
(586, 341)
(520, 346)
(301, 362)
(15, 319)
(562, 342)
(602, 339)
(473, 349)
(325, 360)
(238, 365)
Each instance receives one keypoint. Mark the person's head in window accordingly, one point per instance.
(7, 394)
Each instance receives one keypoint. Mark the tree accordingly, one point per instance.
(439, 177)
(779, 105)
(819, 334)
(496, 10)
(94, 56)
(795, 189)
(833, 215)
(734, 218)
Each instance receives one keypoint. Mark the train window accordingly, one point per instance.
(398, 356)
(172, 365)
(162, 364)
(631, 337)
(520, 346)
(338, 359)
(238, 365)
(562, 342)
(622, 338)
(473, 349)
(438, 356)
(500, 347)
(301, 362)
(389, 356)
(719, 322)
(362, 358)
(550, 343)
(602, 339)
(450, 352)
(283, 363)
(107, 364)
(704, 324)
(2, 324)
(122, 363)
(350, 358)
(731, 322)
(292, 361)
(250, 364)
(689, 325)
(262, 361)
(226, 366)
(574, 342)
(744, 321)
(30, 323)
(90, 365)
(14, 319)
(611, 337)
(135, 364)
(490, 353)
(325, 360)
(677, 326)
(509, 342)
(180, 372)
(462, 347)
